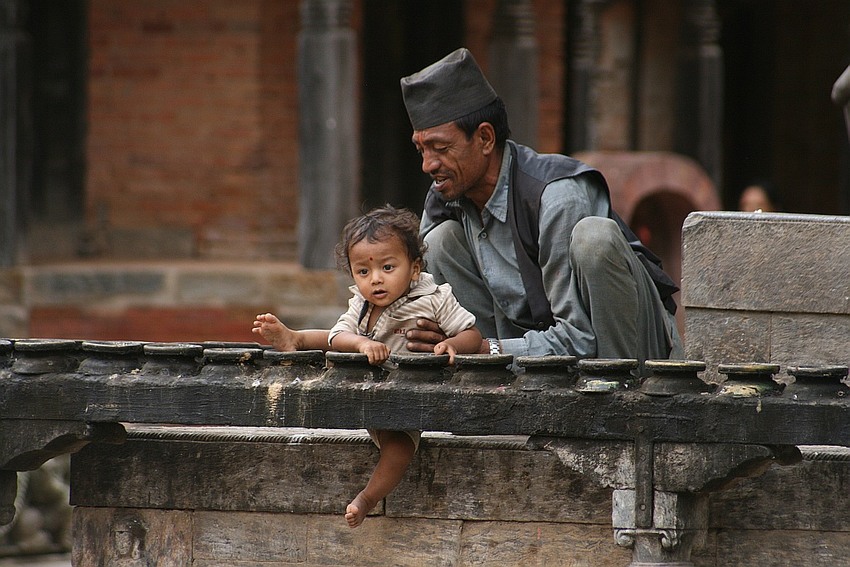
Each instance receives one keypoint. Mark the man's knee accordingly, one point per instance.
(595, 239)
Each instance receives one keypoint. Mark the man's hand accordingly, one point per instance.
(425, 336)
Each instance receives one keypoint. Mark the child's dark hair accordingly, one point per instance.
(378, 225)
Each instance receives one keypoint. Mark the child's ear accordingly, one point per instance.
(417, 268)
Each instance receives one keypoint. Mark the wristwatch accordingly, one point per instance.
(495, 347)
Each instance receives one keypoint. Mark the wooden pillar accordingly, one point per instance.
(585, 55)
(513, 67)
(328, 128)
(700, 114)
(15, 129)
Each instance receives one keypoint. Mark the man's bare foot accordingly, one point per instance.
(356, 512)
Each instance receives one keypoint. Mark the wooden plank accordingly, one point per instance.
(819, 489)
(323, 477)
(541, 544)
(481, 484)
(323, 540)
(247, 400)
(299, 478)
(258, 537)
(780, 548)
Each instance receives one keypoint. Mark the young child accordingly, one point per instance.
(383, 252)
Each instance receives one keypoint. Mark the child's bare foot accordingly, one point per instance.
(356, 512)
(276, 333)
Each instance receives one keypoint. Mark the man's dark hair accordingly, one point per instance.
(378, 225)
(494, 113)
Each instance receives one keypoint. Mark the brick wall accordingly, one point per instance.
(192, 148)
(192, 131)
(166, 301)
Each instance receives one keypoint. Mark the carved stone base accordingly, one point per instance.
(680, 521)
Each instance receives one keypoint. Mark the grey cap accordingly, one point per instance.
(446, 90)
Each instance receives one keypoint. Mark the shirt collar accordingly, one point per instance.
(497, 205)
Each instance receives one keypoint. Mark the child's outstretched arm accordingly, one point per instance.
(465, 342)
(285, 339)
(346, 341)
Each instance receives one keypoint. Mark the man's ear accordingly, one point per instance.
(486, 136)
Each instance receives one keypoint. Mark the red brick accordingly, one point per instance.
(165, 324)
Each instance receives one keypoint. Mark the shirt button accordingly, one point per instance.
(483, 236)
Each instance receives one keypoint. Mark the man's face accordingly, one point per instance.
(457, 164)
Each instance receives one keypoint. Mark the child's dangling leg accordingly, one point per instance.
(397, 450)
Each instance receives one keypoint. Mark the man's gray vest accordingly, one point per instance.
(530, 174)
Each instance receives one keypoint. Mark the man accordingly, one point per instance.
(528, 241)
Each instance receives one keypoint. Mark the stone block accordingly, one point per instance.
(726, 336)
(116, 536)
(766, 262)
(300, 287)
(219, 287)
(810, 339)
(76, 286)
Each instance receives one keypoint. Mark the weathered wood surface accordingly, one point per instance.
(812, 495)
(237, 539)
(508, 514)
(774, 548)
(226, 476)
(272, 398)
(470, 478)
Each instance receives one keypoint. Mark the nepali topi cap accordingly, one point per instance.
(446, 90)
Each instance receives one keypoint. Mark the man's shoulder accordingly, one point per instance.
(547, 166)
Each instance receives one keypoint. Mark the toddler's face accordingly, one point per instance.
(382, 271)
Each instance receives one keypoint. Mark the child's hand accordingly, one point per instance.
(446, 348)
(276, 333)
(378, 353)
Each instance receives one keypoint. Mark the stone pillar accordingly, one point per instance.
(328, 128)
(15, 129)
(585, 54)
(700, 115)
(660, 496)
(679, 523)
(513, 67)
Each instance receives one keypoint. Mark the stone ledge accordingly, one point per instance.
(769, 262)
(180, 283)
